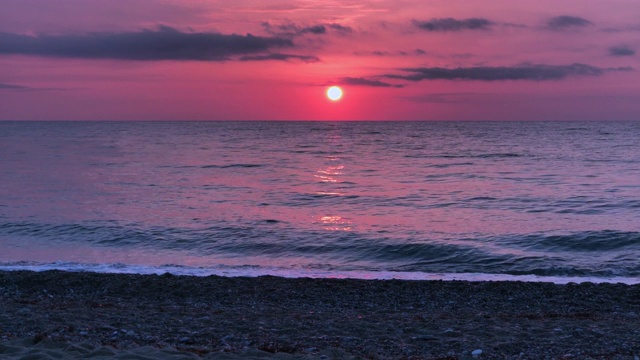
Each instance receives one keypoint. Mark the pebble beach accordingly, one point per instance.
(67, 315)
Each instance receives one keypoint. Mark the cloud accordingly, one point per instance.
(450, 24)
(12, 87)
(281, 57)
(374, 53)
(621, 51)
(21, 88)
(521, 72)
(416, 52)
(358, 81)
(567, 22)
(292, 30)
(443, 98)
(163, 44)
(315, 29)
(623, 28)
(340, 28)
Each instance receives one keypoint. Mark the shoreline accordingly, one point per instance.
(77, 314)
(126, 269)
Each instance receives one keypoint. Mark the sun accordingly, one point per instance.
(334, 93)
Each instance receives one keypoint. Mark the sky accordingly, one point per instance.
(274, 60)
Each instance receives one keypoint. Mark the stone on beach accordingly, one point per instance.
(293, 318)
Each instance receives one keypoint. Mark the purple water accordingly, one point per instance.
(419, 200)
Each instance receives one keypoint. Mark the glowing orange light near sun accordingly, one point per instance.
(334, 93)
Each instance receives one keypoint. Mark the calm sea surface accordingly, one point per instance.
(418, 200)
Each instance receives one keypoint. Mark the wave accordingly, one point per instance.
(588, 241)
(231, 166)
(483, 156)
(589, 253)
(251, 271)
(465, 156)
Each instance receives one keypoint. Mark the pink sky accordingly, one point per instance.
(394, 59)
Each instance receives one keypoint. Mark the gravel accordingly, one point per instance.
(322, 318)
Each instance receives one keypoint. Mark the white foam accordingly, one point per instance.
(251, 271)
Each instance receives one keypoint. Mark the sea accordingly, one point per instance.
(480, 201)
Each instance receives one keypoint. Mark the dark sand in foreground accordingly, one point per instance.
(57, 314)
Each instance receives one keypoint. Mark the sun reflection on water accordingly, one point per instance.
(329, 174)
(335, 223)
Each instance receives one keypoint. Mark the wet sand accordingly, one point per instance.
(54, 314)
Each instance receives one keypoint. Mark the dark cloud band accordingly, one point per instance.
(415, 52)
(484, 73)
(12, 87)
(292, 30)
(450, 24)
(566, 22)
(358, 81)
(621, 51)
(163, 44)
(281, 57)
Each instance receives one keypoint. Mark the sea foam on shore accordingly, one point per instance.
(288, 273)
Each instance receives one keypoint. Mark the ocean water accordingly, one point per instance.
(550, 201)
